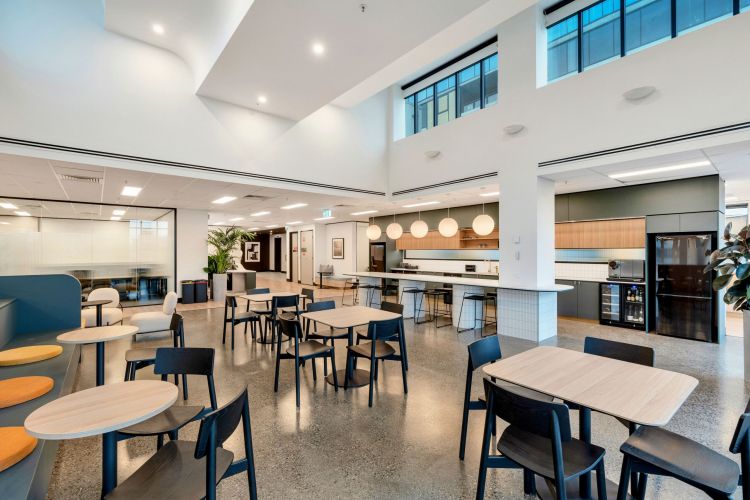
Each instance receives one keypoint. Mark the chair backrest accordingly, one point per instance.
(170, 303)
(392, 307)
(284, 301)
(309, 293)
(531, 415)
(321, 306)
(258, 291)
(184, 361)
(231, 301)
(290, 326)
(106, 294)
(326, 268)
(622, 351)
(741, 436)
(176, 323)
(484, 351)
(224, 421)
(384, 329)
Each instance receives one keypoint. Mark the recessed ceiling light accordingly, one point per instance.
(294, 205)
(258, 214)
(294, 223)
(253, 229)
(325, 218)
(23, 214)
(222, 223)
(118, 212)
(272, 225)
(157, 28)
(422, 204)
(262, 99)
(130, 191)
(236, 219)
(494, 193)
(224, 199)
(318, 49)
(5, 223)
(364, 212)
(658, 170)
(9, 206)
(115, 217)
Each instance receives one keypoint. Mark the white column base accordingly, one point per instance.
(473, 312)
(527, 315)
(407, 299)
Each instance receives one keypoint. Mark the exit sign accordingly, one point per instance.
(326, 212)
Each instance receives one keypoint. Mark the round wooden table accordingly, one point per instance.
(98, 335)
(102, 410)
(98, 304)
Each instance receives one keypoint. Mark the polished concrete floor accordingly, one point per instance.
(406, 446)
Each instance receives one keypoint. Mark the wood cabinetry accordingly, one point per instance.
(615, 233)
(463, 239)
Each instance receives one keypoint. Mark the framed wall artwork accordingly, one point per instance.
(252, 251)
(337, 251)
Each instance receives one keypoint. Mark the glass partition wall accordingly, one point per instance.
(130, 249)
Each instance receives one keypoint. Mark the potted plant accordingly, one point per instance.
(732, 266)
(223, 242)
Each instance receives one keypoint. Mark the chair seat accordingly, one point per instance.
(309, 348)
(478, 297)
(328, 334)
(362, 335)
(170, 419)
(534, 452)
(382, 349)
(173, 472)
(683, 458)
(110, 316)
(135, 355)
(155, 321)
(244, 316)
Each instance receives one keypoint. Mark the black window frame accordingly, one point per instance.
(578, 15)
(454, 75)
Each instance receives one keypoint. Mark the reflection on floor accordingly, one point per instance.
(406, 446)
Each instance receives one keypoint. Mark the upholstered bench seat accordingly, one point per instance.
(28, 354)
(14, 391)
(15, 445)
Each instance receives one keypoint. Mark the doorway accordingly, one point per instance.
(377, 257)
(294, 260)
(277, 255)
(306, 257)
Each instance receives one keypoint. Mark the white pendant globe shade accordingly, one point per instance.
(448, 227)
(483, 224)
(394, 230)
(419, 229)
(374, 232)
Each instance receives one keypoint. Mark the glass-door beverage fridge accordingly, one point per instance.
(623, 304)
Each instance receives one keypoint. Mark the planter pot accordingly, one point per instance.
(219, 287)
(746, 342)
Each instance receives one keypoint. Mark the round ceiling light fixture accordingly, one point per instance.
(157, 28)
(373, 231)
(318, 49)
(394, 230)
(419, 228)
(262, 99)
(483, 224)
(448, 227)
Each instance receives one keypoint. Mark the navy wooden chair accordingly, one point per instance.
(238, 318)
(191, 470)
(279, 305)
(398, 337)
(135, 359)
(325, 334)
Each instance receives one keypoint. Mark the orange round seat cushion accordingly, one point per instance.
(28, 354)
(15, 445)
(18, 390)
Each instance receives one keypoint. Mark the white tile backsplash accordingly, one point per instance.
(572, 271)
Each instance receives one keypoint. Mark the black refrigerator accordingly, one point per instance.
(684, 302)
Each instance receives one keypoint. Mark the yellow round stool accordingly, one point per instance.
(29, 354)
(15, 445)
(18, 390)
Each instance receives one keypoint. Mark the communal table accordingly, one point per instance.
(98, 304)
(98, 335)
(640, 394)
(267, 298)
(102, 410)
(348, 318)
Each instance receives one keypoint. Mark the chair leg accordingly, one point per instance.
(601, 481)
(333, 367)
(373, 367)
(276, 377)
(314, 370)
(325, 360)
(296, 379)
(622, 490)
(184, 387)
(529, 482)
(159, 441)
(127, 370)
(403, 374)
(348, 369)
(642, 481)
(377, 369)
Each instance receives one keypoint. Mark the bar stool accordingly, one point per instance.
(352, 285)
(478, 298)
(416, 293)
(436, 294)
(373, 289)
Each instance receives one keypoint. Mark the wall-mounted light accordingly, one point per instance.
(432, 154)
(639, 93)
(514, 129)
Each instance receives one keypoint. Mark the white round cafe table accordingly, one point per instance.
(98, 335)
(102, 410)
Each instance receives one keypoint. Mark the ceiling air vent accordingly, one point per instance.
(80, 178)
(254, 197)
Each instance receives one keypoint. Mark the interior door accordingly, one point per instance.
(306, 256)
(294, 252)
(377, 257)
(277, 254)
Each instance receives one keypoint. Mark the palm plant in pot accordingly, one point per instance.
(223, 242)
(732, 266)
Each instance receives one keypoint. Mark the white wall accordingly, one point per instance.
(363, 247)
(192, 252)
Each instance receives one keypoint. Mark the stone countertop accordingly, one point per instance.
(480, 282)
(427, 271)
(592, 280)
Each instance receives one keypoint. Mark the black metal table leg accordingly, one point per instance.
(357, 378)
(109, 462)
(99, 363)
(99, 319)
(584, 426)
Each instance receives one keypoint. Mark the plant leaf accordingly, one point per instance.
(743, 271)
(721, 281)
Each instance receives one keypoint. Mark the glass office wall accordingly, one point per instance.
(694, 13)
(646, 22)
(130, 249)
(562, 49)
(600, 40)
(446, 100)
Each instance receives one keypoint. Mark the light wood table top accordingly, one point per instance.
(101, 409)
(349, 317)
(267, 297)
(637, 393)
(97, 334)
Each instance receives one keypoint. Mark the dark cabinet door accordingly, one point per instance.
(588, 299)
(567, 302)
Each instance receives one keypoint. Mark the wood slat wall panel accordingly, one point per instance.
(615, 233)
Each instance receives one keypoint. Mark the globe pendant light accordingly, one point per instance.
(448, 227)
(419, 228)
(373, 231)
(394, 229)
(483, 224)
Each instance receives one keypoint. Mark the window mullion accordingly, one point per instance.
(580, 42)
(673, 7)
(622, 28)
